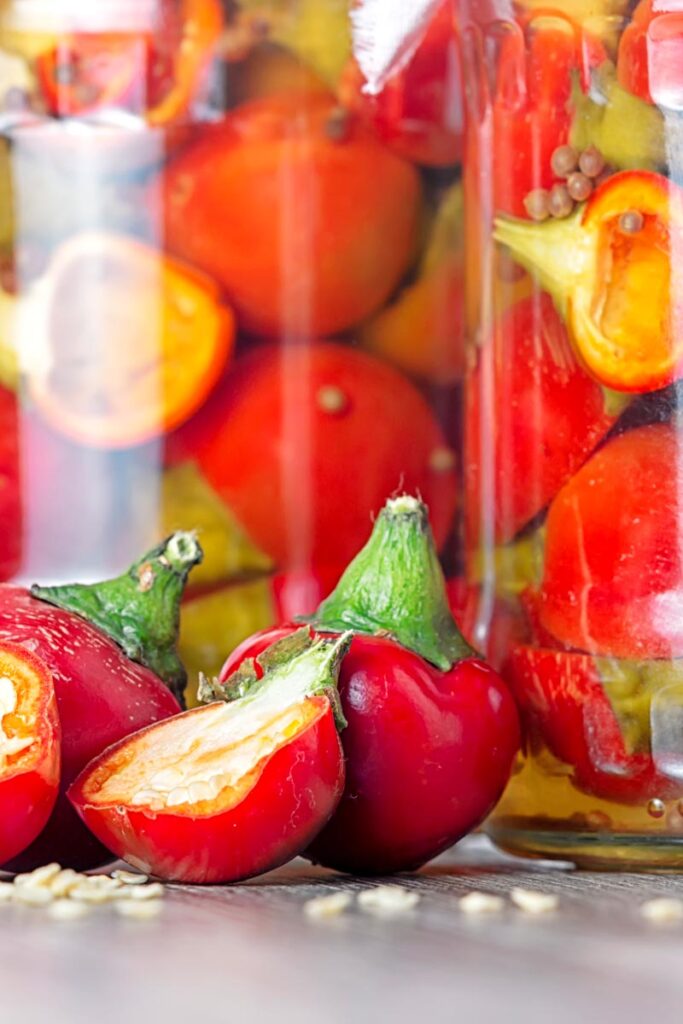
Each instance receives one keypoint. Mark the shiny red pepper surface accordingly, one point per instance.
(429, 743)
(231, 790)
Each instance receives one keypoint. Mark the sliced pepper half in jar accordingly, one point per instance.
(149, 358)
(610, 270)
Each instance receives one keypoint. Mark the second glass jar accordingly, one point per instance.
(574, 507)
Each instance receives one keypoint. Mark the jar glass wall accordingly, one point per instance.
(231, 294)
(573, 452)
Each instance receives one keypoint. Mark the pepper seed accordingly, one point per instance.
(146, 892)
(477, 904)
(32, 896)
(130, 878)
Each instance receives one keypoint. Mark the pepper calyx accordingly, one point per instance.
(300, 665)
(139, 610)
(395, 587)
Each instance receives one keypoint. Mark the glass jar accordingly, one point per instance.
(574, 506)
(231, 294)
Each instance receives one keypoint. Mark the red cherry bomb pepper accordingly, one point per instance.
(609, 269)
(235, 788)
(29, 748)
(432, 730)
(614, 722)
(111, 650)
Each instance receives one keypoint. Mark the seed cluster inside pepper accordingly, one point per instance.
(582, 172)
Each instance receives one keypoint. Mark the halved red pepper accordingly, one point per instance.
(155, 73)
(613, 722)
(432, 730)
(230, 790)
(609, 268)
(29, 748)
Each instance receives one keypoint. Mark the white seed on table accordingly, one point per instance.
(663, 910)
(140, 893)
(6, 892)
(478, 904)
(32, 896)
(328, 906)
(68, 910)
(388, 899)
(138, 909)
(531, 902)
(130, 878)
(42, 876)
(65, 881)
(104, 882)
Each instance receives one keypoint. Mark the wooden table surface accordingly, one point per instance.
(248, 953)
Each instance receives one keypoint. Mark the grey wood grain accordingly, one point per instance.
(247, 953)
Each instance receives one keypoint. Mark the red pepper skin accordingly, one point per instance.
(293, 797)
(428, 754)
(28, 788)
(102, 696)
(613, 563)
(562, 697)
(532, 456)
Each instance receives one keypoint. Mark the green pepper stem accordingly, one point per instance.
(395, 586)
(299, 666)
(139, 610)
(556, 252)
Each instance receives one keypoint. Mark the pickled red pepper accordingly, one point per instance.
(609, 270)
